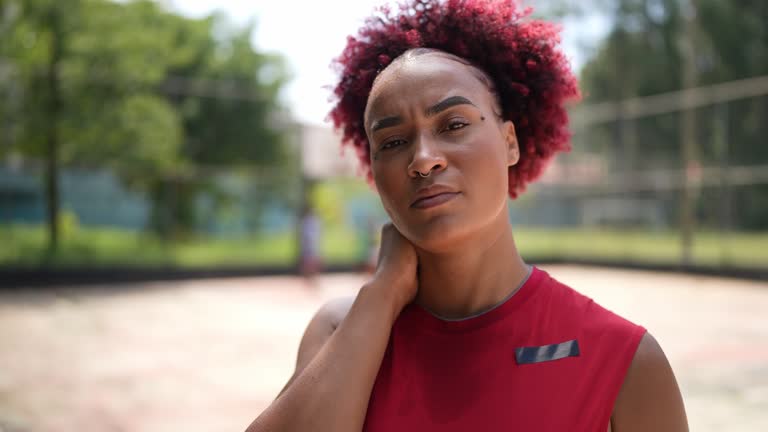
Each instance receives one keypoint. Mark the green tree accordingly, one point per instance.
(84, 72)
(136, 88)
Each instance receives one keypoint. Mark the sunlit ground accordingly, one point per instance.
(210, 355)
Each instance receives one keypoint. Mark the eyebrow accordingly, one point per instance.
(429, 112)
(386, 122)
(447, 103)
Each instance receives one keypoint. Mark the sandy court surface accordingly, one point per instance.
(210, 355)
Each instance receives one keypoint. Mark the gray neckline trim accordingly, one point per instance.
(509, 296)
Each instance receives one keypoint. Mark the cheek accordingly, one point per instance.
(388, 180)
(484, 168)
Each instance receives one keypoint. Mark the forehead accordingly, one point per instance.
(421, 81)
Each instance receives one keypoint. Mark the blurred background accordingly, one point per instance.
(192, 134)
(144, 140)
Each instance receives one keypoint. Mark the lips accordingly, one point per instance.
(433, 201)
(434, 195)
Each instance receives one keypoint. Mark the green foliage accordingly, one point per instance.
(121, 58)
(144, 91)
(140, 132)
(111, 58)
(234, 122)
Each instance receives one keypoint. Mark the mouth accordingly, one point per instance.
(434, 200)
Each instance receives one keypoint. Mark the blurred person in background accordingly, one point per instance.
(373, 243)
(454, 106)
(310, 245)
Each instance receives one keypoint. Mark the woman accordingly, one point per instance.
(453, 106)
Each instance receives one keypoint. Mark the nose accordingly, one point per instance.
(427, 158)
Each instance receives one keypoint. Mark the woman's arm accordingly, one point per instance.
(331, 392)
(649, 399)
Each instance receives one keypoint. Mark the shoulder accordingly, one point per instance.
(320, 328)
(649, 398)
(609, 340)
(580, 311)
(638, 377)
(590, 315)
(323, 323)
(326, 320)
(333, 312)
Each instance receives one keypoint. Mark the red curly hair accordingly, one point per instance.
(531, 78)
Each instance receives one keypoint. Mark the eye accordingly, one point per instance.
(391, 144)
(456, 125)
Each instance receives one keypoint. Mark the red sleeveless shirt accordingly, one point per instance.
(545, 359)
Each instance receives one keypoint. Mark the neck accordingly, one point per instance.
(471, 278)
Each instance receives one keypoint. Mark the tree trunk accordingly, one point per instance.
(52, 144)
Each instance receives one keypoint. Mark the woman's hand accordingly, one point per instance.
(397, 266)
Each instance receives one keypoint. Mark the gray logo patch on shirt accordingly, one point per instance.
(538, 354)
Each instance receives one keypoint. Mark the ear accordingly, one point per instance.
(513, 149)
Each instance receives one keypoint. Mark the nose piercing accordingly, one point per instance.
(424, 175)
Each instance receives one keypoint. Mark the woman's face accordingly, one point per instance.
(432, 114)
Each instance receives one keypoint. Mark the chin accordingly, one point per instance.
(440, 234)
(452, 231)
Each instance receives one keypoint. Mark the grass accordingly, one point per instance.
(25, 246)
(661, 247)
